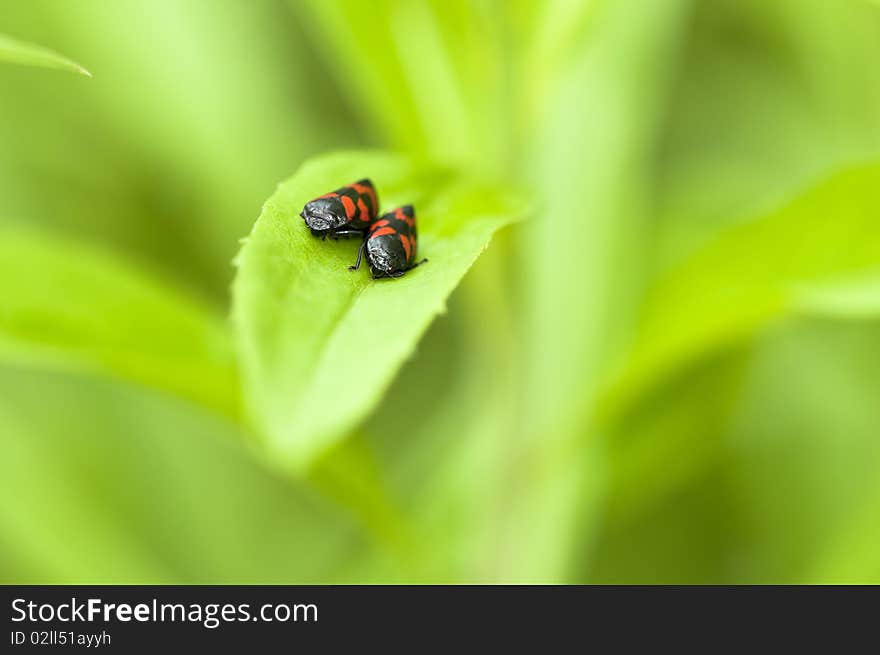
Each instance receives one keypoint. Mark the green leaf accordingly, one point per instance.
(108, 483)
(179, 188)
(318, 343)
(446, 91)
(734, 149)
(751, 275)
(850, 298)
(675, 433)
(803, 457)
(69, 306)
(29, 54)
(734, 143)
(585, 258)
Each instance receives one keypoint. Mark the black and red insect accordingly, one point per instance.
(391, 244)
(346, 212)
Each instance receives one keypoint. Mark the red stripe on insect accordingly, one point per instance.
(404, 239)
(348, 203)
(381, 231)
(365, 213)
(364, 189)
(400, 215)
(379, 224)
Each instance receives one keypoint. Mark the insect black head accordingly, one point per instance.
(324, 214)
(386, 255)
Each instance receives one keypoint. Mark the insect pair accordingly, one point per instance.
(389, 241)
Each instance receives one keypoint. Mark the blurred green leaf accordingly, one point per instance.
(175, 184)
(29, 54)
(803, 457)
(438, 79)
(348, 473)
(854, 298)
(666, 441)
(474, 90)
(852, 555)
(598, 123)
(448, 457)
(687, 537)
(786, 487)
(72, 306)
(751, 275)
(766, 102)
(103, 482)
(319, 343)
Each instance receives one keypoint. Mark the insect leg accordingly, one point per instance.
(345, 233)
(357, 264)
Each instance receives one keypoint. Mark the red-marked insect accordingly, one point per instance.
(391, 244)
(345, 212)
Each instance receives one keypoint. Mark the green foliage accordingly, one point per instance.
(105, 483)
(194, 115)
(319, 344)
(75, 307)
(855, 297)
(804, 457)
(29, 54)
(760, 271)
(435, 85)
(668, 373)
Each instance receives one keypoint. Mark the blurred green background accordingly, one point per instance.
(669, 373)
